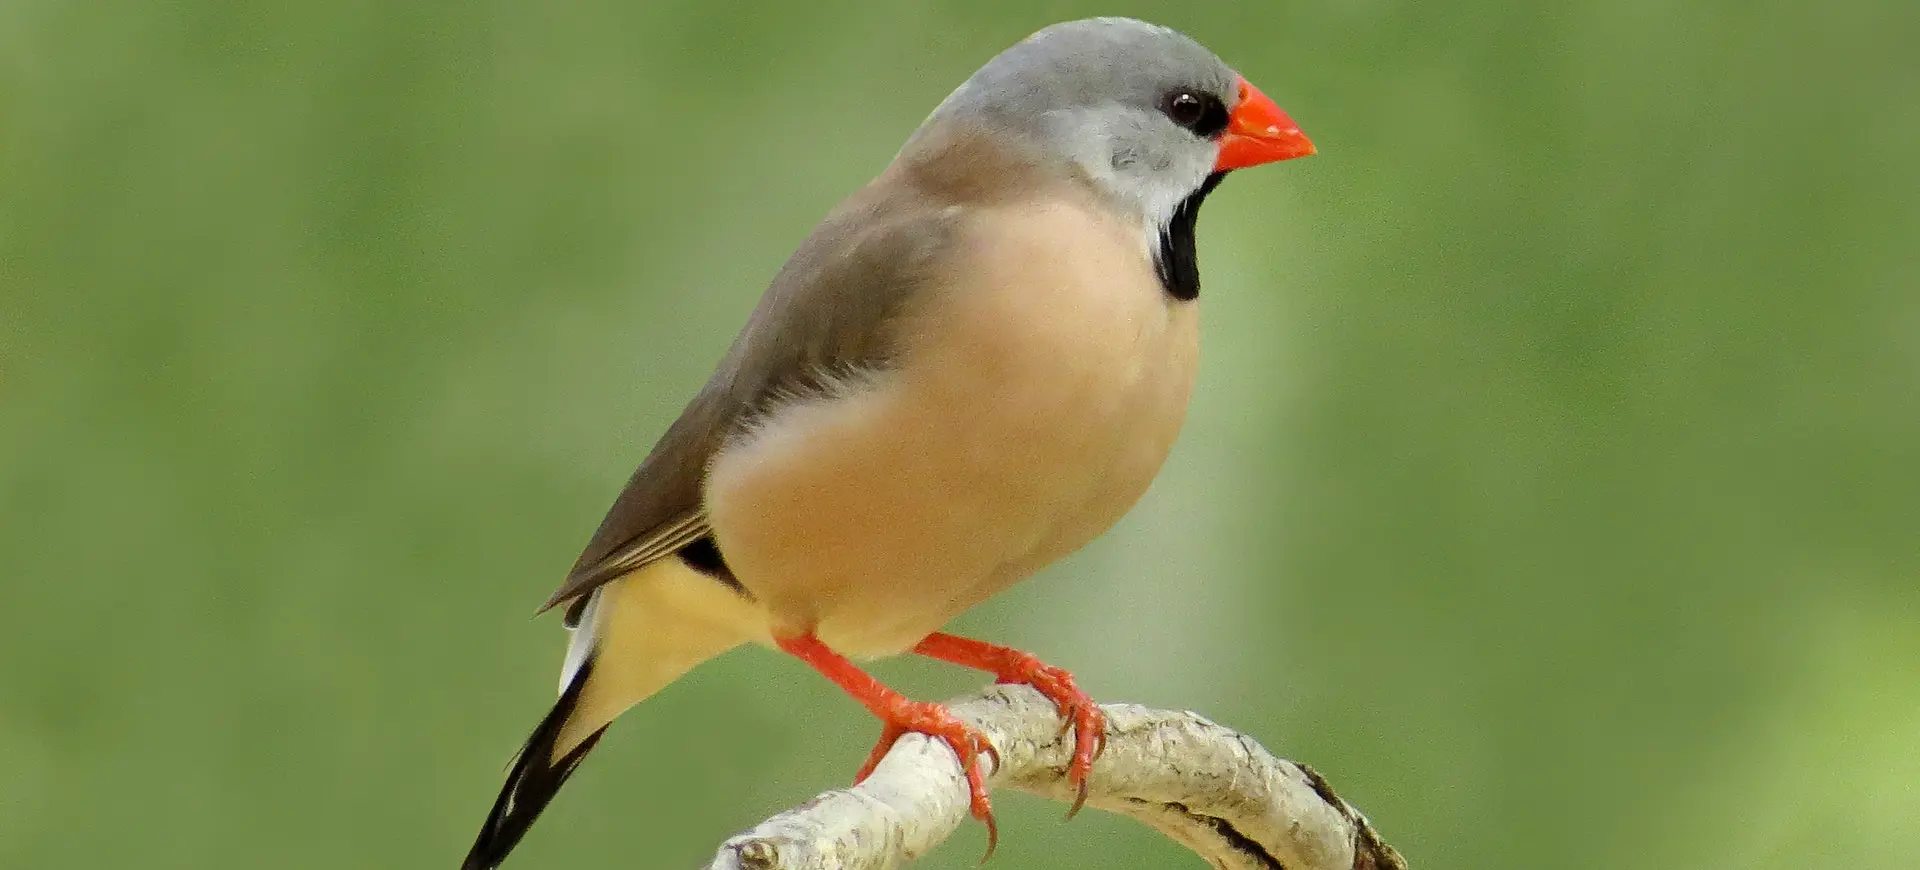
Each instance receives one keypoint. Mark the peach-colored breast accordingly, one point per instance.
(1041, 389)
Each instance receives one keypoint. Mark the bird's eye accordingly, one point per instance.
(1202, 113)
(1184, 109)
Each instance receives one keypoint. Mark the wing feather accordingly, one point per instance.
(829, 309)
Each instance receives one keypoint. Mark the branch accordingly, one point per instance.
(1211, 789)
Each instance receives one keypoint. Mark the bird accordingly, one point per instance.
(973, 366)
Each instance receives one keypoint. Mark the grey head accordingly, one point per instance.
(1135, 109)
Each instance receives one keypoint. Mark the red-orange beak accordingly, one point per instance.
(1258, 132)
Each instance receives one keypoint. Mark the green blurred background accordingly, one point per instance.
(1553, 486)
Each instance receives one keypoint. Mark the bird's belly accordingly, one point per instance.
(875, 515)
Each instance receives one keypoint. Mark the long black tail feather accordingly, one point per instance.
(532, 781)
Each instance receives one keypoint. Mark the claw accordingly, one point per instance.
(1089, 741)
(1066, 727)
(993, 837)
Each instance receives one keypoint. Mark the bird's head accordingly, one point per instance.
(1144, 114)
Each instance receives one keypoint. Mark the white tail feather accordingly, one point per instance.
(580, 640)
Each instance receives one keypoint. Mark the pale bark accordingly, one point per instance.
(1211, 789)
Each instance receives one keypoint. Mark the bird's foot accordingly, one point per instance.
(899, 715)
(1078, 711)
(967, 742)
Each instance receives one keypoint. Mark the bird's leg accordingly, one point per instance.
(899, 715)
(1089, 724)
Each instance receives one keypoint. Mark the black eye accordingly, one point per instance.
(1202, 113)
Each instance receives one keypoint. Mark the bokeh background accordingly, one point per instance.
(1553, 486)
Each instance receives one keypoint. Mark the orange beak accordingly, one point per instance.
(1258, 132)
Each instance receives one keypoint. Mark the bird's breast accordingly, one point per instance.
(1038, 389)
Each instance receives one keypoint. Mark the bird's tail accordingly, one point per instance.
(534, 778)
(636, 635)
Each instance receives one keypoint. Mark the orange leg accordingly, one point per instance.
(1089, 724)
(899, 715)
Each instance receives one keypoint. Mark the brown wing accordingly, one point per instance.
(827, 311)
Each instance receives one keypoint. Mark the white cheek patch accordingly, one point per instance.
(1125, 154)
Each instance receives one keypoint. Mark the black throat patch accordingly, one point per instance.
(1176, 260)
